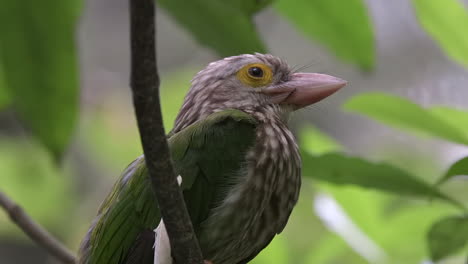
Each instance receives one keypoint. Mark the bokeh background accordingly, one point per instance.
(332, 223)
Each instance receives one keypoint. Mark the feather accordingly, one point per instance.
(130, 210)
(162, 247)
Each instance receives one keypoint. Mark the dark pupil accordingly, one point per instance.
(256, 72)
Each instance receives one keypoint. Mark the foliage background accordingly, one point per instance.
(381, 214)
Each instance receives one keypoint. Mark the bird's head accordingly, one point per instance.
(251, 83)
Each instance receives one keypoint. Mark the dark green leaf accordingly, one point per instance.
(447, 236)
(446, 21)
(221, 25)
(342, 26)
(458, 168)
(341, 169)
(250, 6)
(401, 113)
(40, 67)
(4, 95)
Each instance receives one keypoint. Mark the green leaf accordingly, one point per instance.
(456, 117)
(317, 142)
(221, 25)
(342, 26)
(173, 89)
(4, 96)
(343, 170)
(276, 252)
(384, 218)
(112, 123)
(447, 236)
(40, 66)
(330, 250)
(250, 7)
(446, 22)
(458, 168)
(401, 113)
(31, 179)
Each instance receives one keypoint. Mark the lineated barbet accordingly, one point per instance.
(238, 163)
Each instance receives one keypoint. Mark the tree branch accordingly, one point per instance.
(35, 231)
(145, 87)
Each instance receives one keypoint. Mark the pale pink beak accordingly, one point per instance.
(304, 89)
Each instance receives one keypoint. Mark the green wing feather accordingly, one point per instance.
(208, 155)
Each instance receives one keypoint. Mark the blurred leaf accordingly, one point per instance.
(401, 113)
(173, 89)
(102, 129)
(456, 117)
(331, 250)
(396, 224)
(304, 231)
(458, 168)
(446, 21)
(4, 96)
(249, 6)
(39, 62)
(276, 252)
(342, 26)
(31, 179)
(416, 161)
(447, 236)
(360, 204)
(317, 142)
(342, 170)
(113, 121)
(221, 25)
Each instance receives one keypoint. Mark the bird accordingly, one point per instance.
(236, 160)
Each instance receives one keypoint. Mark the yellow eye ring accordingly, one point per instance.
(255, 75)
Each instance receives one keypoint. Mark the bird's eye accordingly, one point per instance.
(255, 75)
(255, 72)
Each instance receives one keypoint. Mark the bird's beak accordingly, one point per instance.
(304, 89)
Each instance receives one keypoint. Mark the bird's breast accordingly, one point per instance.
(259, 205)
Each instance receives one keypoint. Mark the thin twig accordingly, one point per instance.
(145, 88)
(35, 231)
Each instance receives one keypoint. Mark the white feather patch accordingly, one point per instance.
(162, 246)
